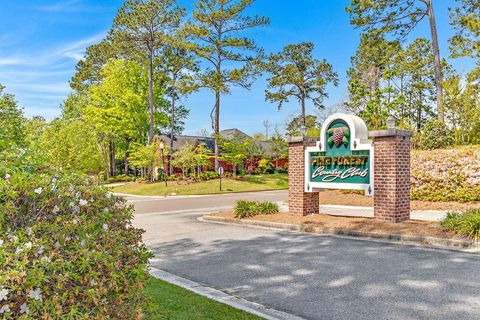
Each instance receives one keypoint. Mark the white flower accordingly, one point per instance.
(41, 250)
(46, 259)
(36, 294)
(56, 209)
(68, 238)
(83, 202)
(105, 210)
(18, 250)
(3, 294)
(82, 243)
(24, 308)
(38, 190)
(74, 221)
(105, 226)
(29, 231)
(28, 245)
(1, 242)
(57, 244)
(7, 176)
(5, 309)
(93, 282)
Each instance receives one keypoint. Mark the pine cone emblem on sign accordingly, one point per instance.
(338, 137)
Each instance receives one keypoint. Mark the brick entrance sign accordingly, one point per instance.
(392, 175)
(345, 158)
(299, 201)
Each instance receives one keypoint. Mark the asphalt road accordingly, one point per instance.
(315, 277)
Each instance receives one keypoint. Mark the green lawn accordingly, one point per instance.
(172, 302)
(248, 183)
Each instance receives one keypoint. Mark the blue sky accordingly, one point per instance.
(41, 41)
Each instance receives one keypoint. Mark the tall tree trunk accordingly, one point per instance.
(304, 117)
(151, 106)
(105, 158)
(112, 159)
(217, 129)
(419, 112)
(438, 68)
(172, 125)
(127, 155)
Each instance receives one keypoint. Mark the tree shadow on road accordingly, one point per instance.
(321, 277)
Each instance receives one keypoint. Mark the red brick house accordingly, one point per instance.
(209, 142)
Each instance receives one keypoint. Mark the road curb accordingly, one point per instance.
(222, 297)
(431, 242)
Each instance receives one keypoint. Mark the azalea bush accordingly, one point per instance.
(446, 174)
(67, 247)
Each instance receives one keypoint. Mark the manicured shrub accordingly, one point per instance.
(265, 166)
(435, 135)
(68, 249)
(247, 209)
(464, 223)
(208, 175)
(120, 178)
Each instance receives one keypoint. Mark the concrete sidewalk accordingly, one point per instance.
(367, 212)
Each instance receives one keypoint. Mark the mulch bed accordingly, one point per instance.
(408, 228)
(337, 197)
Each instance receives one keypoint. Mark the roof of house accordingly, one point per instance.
(180, 140)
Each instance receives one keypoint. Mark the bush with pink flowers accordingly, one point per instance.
(446, 174)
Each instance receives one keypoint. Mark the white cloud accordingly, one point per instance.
(10, 61)
(61, 87)
(73, 51)
(40, 78)
(62, 6)
(76, 50)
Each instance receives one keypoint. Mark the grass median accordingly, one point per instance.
(172, 302)
(229, 185)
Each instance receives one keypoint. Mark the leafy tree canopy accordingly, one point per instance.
(466, 21)
(12, 131)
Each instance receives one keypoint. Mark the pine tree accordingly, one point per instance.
(216, 29)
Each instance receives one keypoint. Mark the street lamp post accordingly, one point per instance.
(162, 146)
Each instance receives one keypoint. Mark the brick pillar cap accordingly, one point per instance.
(390, 133)
(301, 139)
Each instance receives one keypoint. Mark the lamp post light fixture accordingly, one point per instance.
(162, 146)
(391, 122)
(303, 130)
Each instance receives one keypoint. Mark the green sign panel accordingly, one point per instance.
(341, 160)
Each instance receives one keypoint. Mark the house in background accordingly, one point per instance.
(264, 148)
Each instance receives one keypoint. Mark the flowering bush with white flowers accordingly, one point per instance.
(68, 249)
(446, 174)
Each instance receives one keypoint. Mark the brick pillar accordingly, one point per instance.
(392, 175)
(299, 201)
